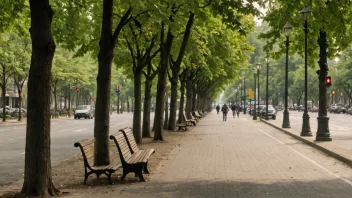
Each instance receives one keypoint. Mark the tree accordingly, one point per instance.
(37, 174)
(330, 32)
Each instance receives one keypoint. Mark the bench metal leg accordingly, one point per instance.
(86, 177)
(138, 171)
(145, 168)
(124, 173)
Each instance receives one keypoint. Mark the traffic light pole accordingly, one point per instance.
(118, 103)
(244, 95)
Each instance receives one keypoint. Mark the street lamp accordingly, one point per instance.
(286, 120)
(267, 59)
(258, 65)
(305, 124)
(255, 100)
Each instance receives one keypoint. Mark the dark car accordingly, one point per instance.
(271, 111)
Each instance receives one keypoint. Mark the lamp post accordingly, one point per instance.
(305, 124)
(255, 93)
(244, 95)
(286, 120)
(258, 65)
(267, 59)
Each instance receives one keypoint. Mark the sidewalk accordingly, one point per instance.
(340, 147)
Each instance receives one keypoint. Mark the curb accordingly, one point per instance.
(312, 144)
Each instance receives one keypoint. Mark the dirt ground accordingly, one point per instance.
(68, 176)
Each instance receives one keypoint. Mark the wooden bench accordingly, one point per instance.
(181, 126)
(132, 160)
(195, 115)
(189, 122)
(87, 149)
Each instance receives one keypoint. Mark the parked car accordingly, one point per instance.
(84, 111)
(271, 111)
(23, 111)
(314, 109)
(337, 108)
(349, 111)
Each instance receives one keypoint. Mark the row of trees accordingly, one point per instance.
(195, 46)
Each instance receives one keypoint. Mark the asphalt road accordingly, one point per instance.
(339, 124)
(64, 133)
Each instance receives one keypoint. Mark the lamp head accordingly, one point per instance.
(287, 29)
(267, 58)
(258, 65)
(305, 13)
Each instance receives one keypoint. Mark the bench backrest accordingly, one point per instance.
(130, 139)
(122, 146)
(87, 149)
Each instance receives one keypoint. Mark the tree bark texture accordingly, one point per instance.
(194, 99)
(102, 117)
(166, 110)
(37, 174)
(182, 100)
(3, 96)
(147, 106)
(189, 94)
(165, 47)
(137, 132)
(175, 68)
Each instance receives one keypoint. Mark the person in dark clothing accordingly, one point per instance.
(224, 110)
(218, 108)
(238, 111)
(233, 108)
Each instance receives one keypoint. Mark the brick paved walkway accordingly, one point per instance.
(239, 158)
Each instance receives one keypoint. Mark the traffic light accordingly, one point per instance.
(328, 81)
(333, 92)
(117, 90)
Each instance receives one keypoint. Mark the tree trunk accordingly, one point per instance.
(20, 107)
(166, 112)
(194, 99)
(102, 117)
(161, 87)
(128, 105)
(182, 99)
(37, 174)
(55, 98)
(189, 94)
(175, 68)
(69, 101)
(3, 95)
(147, 105)
(137, 105)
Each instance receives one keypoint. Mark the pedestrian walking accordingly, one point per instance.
(218, 108)
(233, 108)
(224, 110)
(238, 111)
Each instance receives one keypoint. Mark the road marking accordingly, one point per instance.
(16, 138)
(22, 153)
(64, 130)
(79, 130)
(308, 159)
(119, 123)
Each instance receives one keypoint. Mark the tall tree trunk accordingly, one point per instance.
(175, 68)
(166, 111)
(189, 94)
(3, 95)
(137, 105)
(165, 47)
(69, 101)
(106, 50)
(194, 99)
(20, 106)
(102, 117)
(128, 104)
(147, 105)
(55, 98)
(182, 99)
(37, 174)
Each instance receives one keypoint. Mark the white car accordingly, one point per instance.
(84, 111)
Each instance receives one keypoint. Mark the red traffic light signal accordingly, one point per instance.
(328, 81)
